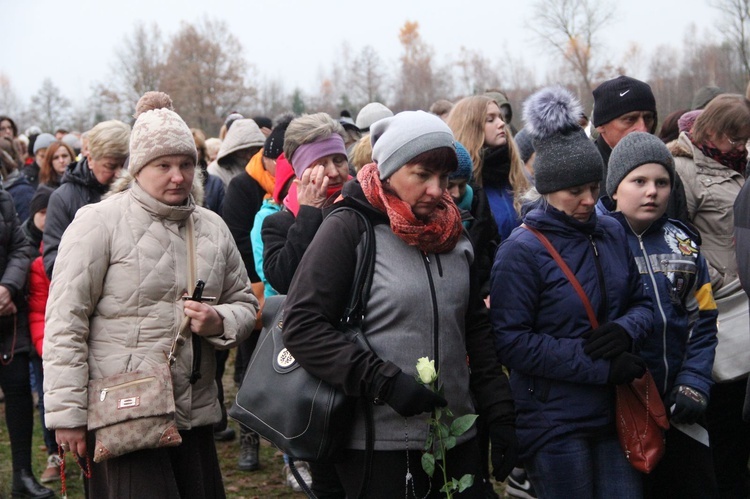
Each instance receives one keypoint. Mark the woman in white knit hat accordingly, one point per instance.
(116, 303)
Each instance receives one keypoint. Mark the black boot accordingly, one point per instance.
(25, 485)
(249, 447)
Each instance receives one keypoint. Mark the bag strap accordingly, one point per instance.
(360, 291)
(568, 273)
(180, 336)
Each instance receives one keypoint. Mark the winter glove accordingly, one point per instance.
(408, 397)
(503, 450)
(689, 404)
(607, 341)
(625, 368)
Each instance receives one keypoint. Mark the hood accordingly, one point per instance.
(243, 134)
(13, 179)
(546, 217)
(284, 174)
(80, 174)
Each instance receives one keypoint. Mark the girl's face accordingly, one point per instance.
(6, 129)
(494, 127)
(60, 159)
(643, 194)
(419, 186)
(577, 202)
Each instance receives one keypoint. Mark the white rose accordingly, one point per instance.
(426, 370)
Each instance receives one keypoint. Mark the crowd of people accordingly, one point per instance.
(103, 231)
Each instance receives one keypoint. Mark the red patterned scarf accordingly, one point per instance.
(438, 234)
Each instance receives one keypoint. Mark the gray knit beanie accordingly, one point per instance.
(565, 157)
(158, 131)
(398, 139)
(634, 150)
(525, 144)
(43, 141)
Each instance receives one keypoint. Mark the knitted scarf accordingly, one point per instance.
(256, 170)
(734, 159)
(438, 234)
(495, 166)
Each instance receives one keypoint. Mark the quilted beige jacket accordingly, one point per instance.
(710, 190)
(115, 302)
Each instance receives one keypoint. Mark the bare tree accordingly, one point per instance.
(139, 64)
(735, 25)
(49, 107)
(475, 73)
(206, 74)
(573, 27)
(369, 77)
(272, 98)
(10, 104)
(418, 83)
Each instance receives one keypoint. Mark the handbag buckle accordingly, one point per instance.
(128, 402)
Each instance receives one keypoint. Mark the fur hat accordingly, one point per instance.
(158, 131)
(371, 113)
(565, 157)
(43, 141)
(398, 139)
(621, 95)
(634, 150)
(465, 165)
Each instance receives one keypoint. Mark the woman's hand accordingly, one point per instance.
(72, 440)
(7, 307)
(312, 188)
(204, 319)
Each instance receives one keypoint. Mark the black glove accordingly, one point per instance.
(408, 397)
(503, 450)
(625, 368)
(607, 341)
(689, 404)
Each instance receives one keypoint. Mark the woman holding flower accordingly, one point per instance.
(424, 302)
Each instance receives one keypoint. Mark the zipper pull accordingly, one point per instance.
(593, 245)
(426, 256)
(103, 395)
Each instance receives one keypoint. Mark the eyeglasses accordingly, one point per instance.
(736, 142)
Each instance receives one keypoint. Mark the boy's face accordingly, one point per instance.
(643, 194)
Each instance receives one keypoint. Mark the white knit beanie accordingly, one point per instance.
(158, 131)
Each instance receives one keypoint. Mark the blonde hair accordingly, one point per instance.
(362, 152)
(467, 119)
(109, 139)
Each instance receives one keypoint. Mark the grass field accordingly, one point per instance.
(268, 482)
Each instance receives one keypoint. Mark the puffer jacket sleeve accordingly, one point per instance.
(77, 283)
(516, 285)
(237, 305)
(38, 294)
(58, 219)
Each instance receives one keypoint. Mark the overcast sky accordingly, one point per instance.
(73, 42)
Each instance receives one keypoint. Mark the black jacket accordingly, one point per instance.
(15, 258)
(242, 201)
(78, 188)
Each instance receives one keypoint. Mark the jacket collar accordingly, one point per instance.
(159, 209)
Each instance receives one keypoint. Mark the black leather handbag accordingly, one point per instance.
(302, 415)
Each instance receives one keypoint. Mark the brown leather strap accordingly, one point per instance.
(568, 273)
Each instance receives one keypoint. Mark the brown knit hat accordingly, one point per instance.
(158, 131)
